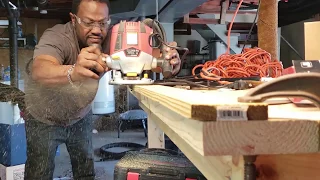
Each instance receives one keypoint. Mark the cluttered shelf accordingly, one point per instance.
(195, 120)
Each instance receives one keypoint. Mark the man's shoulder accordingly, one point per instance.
(63, 30)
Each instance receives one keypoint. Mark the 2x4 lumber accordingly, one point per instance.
(202, 105)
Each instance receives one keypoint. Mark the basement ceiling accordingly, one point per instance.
(129, 8)
(169, 10)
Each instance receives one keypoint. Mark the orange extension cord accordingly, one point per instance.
(252, 62)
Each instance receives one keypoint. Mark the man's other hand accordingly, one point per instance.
(173, 56)
(90, 58)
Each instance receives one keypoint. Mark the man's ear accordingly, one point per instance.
(72, 18)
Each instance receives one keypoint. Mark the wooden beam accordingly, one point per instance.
(190, 20)
(214, 6)
(196, 104)
(214, 168)
(218, 10)
(233, 137)
(204, 142)
(224, 8)
(268, 27)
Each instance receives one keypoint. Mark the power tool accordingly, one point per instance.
(131, 48)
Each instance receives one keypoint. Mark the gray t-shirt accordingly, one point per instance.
(62, 105)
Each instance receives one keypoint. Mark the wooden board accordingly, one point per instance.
(212, 138)
(203, 105)
(177, 129)
(217, 148)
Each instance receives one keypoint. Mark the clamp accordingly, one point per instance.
(305, 85)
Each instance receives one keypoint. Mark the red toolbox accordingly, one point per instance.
(156, 164)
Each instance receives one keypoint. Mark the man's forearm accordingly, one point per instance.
(48, 73)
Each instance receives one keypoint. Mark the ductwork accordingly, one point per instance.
(129, 9)
(177, 9)
(169, 11)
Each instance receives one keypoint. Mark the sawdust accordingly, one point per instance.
(59, 103)
(100, 174)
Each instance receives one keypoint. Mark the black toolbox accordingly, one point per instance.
(156, 164)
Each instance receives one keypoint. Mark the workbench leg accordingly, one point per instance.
(155, 135)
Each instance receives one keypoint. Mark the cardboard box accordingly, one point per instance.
(13, 146)
(312, 40)
(12, 172)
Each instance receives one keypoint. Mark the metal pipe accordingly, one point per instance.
(13, 40)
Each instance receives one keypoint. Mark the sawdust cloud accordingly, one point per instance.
(60, 103)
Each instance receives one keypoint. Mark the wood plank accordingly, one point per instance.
(202, 105)
(213, 168)
(260, 137)
(224, 8)
(215, 138)
(155, 135)
(293, 136)
(200, 21)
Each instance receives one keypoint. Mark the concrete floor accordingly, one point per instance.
(104, 170)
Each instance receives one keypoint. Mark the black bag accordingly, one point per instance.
(156, 164)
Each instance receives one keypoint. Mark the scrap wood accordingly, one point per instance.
(201, 104)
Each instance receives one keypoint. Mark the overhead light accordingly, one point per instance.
(6, 23)
(43, 12)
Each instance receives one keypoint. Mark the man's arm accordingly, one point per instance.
(48, 71)
(48, 59)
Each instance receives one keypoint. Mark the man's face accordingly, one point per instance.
(93, 17)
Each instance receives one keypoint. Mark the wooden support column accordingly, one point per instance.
(268, 27)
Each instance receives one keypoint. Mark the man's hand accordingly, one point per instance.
(90, 58)
(173, 56)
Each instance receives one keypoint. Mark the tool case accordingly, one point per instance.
(156, 164)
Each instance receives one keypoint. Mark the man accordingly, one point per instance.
(60, 88)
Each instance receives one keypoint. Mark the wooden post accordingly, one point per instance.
(268, 27)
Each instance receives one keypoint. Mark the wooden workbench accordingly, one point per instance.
(287, 143)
